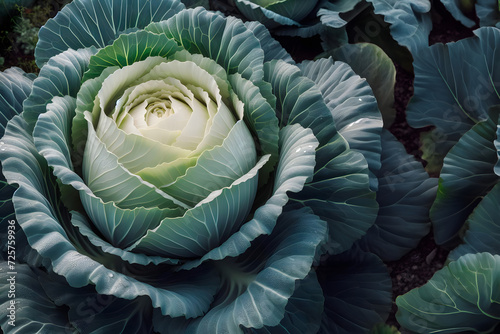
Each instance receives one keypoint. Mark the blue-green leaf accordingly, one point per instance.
(497, 145)
(299, 101)
(304, 310)
(225, 40)
(405, 196)
(340, 194)
(483, 228)
(467, 175)
(454, 7)
(455, 86)
(463, 297)
(369, 61)
(488, 12)
(258, 284)
(24, 306)
(358, 293)
(259, 115)
(410, 22)
(269, 18)
(62, 76)
(90, 312)
(85, 23)
(272, 48)
(15, 86)
(353, 108)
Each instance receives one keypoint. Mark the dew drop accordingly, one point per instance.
(111, 275)
(297, 150)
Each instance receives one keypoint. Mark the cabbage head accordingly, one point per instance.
(175, 171)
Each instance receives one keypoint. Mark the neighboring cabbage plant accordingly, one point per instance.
(457, 90)
(487, 12)
(173, 170)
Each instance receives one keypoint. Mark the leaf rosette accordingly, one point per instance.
(180, 164)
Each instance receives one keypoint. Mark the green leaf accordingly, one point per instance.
(461, 297)
(259, 115)
(110, 181)
(47, 225)
(85, 23)
(353, 108)
(15, 86)
(467, 175)
(358, 292)
(205, 226)
(299, 101)
(272, 48)
(270, 19)
(62, 76)
(340, 194)
(483, 228)
(86, 228)
(258, 284)
(455, 86)
(370, 62)
(225, 40)
(216, 168)
(128, 49)
(52, 137)
(295, 167)
(24, 306)
(405, 196)
(303, 311)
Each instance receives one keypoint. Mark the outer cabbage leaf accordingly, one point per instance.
(269, 18)
(257, 285)
(15, 86)
(352, 106)
(405, 196)
(337, 167)
(483, 228)
(90, 312)
(410, 21)
(85, 23)
(62, 76)
(467, 175)
(32, 310)
(228, 42)
(497, 145)
(272, 48)
(303, 311)
(462, 297)
(370, 62)
(354, 310)
(455, 86)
